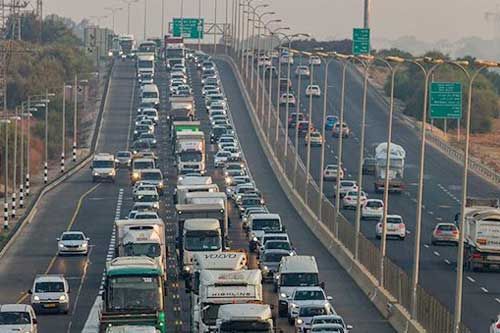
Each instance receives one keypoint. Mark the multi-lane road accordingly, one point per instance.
(442, 188)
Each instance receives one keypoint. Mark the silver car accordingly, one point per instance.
(270, 261)
(73, 242)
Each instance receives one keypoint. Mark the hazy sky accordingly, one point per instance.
(428, 20)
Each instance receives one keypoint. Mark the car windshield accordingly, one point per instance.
(346, 184)
(104, 164)
(447, 227)
(266, 224)
(243, 326)
(299, 279)
(49, 287)
(151, 250)
(143, 165)
(303, 295)
(327, 320)
(278, 245)
(312, 311)
(151, 176)
(124, 154)
(147, 136)
(149, 94)
(72, 237)
(210, 314)
(394, 220)
(202, 240)
(144, 216)
(374, 204)
(134, 293)
(191, 156)
(273, 257)
(14, 318)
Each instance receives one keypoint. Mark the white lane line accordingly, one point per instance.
(131, 108)
(426, 246)
(484, 289)
(436, 253)
(470, 279)
(447, 261)
(497, 300)
(92, 323)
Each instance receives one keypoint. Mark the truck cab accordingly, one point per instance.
(103, 167)
(244, 318)
(145, 65)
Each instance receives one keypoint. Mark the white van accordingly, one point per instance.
(294, 272)
(150, 95)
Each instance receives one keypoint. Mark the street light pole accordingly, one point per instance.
(21, 173)
(6, 175)
(46, 163)
(261, 97)
(308, 162)
(215, 29)
(298, 110)
(28, 150)
(145, 17)
(14, 169)
(75, 116)
(63, 134)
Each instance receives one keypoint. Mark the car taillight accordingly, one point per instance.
(476, 255)
(498, 325)
(401, 226)
(455, 232)
(438, 232)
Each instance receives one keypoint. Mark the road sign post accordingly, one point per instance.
(360, 41)
(192, 28)
(446, 100)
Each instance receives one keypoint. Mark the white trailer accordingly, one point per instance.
(397, 156)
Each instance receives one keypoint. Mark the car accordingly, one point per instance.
(372, 209)
(141, 128)
(239, 168)
(143, 186)
(346, 186)
(302, 71)
(304, 297)
(73, 242)
(314, 60)
(142, 215)
(150, 198)
(50, 292)
(123, 158)
(154, 177)
(241, 189)
(286, 58)
(151, 114)
(216, 132)
(248, 212)
(305, 314)
(445, 233)
(314, 138)
(369, 165)
(150, 138)
(333, 319)
(328, 328)
(350, 200)
(313, 90)
(330, 122)
(253, 194)
(218, 119)
(293, 117)
(226, 140)
(18, 318)
(330, 172)
(304, 127)
(103, 167)
(232, 182)
(278, 245)
(139, 146)
(395, 227)
(345, 130)
(249, 201)
(220, 158)
(495, 325)
(288, 99)
(269, 261)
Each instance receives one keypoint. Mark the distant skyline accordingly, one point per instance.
(427, 20)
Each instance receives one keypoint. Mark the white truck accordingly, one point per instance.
(181, 108)
(182, 190)
(190, 152)
(198, 236)
(141, 238)
(224, 287)
(244, 318)
(482, 234)
(131, 329)
(397, 156)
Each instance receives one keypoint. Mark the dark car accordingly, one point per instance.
(303, 127)
(293, 117)
(369, 164)
(330, 122)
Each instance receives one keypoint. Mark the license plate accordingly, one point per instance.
(50, 305)
(495, 258)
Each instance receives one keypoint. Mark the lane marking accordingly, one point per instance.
(447, 261)
(436, 253)
(497, 299)
(131, 108)
(484, 289)
(470, 279)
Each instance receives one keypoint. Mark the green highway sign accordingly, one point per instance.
(446, 100)
(191, 28)
(360, 41)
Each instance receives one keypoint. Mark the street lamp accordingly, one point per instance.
(6, 121)
(308, 161)
(257, 40)
(46, 163)
(24, 176)
(254, 12)
(63, 136)
(129, 3)
(113, 11)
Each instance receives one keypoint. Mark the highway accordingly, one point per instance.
(441, 191)
(348, 300)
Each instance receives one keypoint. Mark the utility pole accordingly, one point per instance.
(39, 14)
(367, 14)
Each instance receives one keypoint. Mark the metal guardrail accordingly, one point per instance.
(431, 314)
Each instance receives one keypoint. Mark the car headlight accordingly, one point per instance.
(186, 269)
(95, 173)
(112, 173)
(160, 184)
(84, 245)
(228, 180)
(36, 298)
(282, 295)
(300, 321)
(265, 268)
(62, 298)
(135, 175)
(255, 239)
(61, 245)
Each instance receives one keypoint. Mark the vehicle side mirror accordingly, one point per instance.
(91, 167)
(30, 292)
(329, 298)
(322, 285)
(349, 327)
(58, 239)
(87, 239)
(35, 321)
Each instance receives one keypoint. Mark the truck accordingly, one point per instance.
(145, 65)
(397, 157)
(175, 52)
(181, 108)
(224, 287)
(133, 294)
(198, 236)
(142, 238)
(147, 47)
(182, 190)
(131, 329)
(482, 234)
(190, 152)
(127, 44)
(182, 126)
(244, 318)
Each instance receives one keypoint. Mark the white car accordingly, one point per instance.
(346, 186)
(143, 186)
(350, 200)
(73, 242)
(302, 71)
(313, 90)
(373, 209)
(334, 319)
(315, 60)
(495, 326)
(304, 296)
(307, 313)
(287, 99)
(220, 158)
(395, 227)
(148, 198)
(330, 172)
(18, 318)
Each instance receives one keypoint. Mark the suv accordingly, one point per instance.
(50, 293)
(18, 318)
(103, 167)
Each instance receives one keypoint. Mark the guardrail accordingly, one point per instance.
(32, 206)
(393, 298)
